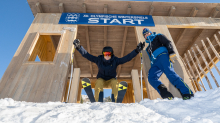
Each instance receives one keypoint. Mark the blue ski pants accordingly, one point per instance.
(163, 65)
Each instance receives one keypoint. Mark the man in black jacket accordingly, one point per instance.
(162, 57)
(107, 64)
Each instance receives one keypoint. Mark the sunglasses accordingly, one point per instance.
(107, 53)
(145, 33)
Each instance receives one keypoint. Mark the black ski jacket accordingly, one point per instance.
(160, 41)
(107, 68)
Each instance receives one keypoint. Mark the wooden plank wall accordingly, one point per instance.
(44, 81)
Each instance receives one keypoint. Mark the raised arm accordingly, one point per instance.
(131, 55)
(83, 52)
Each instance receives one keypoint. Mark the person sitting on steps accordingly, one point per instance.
(107, 64)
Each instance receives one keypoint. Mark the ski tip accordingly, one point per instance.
(86, 79)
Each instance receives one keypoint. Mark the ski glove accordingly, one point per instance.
(140, 47)
(173, 57)
(76, 43)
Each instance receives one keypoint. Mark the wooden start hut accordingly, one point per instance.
(193, 29)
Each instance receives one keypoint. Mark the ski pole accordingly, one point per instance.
(141, 77)
(71, 73)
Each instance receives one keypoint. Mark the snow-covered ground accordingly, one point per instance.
(203, 108)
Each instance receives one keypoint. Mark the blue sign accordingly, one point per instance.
(106, 19)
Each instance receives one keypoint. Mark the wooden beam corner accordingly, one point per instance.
(172, 11)
(38, 7)
(61, 7)
(214, 12)
(193, 12)
(151, 10)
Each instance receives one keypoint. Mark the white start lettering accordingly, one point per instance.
(114, 21)
(93, 20)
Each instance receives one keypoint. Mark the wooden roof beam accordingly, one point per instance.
(87, 40)
(193, 12)
(214, 12)
(38, 7)
(172, 11)
(182, 32)
(193, 41)
(105, 27)
(124, 40)
(61, 7)
(180, 36)
(151, 10)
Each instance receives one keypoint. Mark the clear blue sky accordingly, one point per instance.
(16, 17)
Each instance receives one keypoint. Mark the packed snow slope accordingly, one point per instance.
(203, 108)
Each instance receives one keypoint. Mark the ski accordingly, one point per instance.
(87, 87)
(122, 88)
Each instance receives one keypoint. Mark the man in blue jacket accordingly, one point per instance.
(162, 55)
(107, 64)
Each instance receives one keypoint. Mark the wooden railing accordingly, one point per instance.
(191, 60)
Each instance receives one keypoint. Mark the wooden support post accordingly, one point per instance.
(210, 58)
(200, 67)
(39, 8)
(87, 40)
(213, 48)
(74, 86)
(88, 48)
(172, 11)
(124, 41)
(136, 85)
(194, 77)
(61, 7)
(196, 70)
(207, 65)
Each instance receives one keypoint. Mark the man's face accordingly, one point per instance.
(107, 55)
(147, 34)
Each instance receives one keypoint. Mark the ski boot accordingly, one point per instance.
(164, 93)
(187, 96)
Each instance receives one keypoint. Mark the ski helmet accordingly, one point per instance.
(146, 30)
(107, 49)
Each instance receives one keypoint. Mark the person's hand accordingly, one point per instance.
(76, 43)
(173, 57)
(140, 47)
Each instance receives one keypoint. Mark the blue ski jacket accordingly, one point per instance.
(107, 68)
(158, 44)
